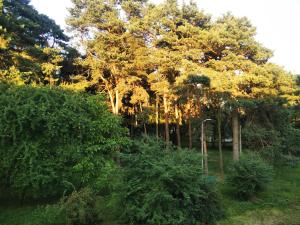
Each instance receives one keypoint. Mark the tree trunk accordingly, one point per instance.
(131, 130)
(221, 162)
(190, 127)
(240, 137)
(135, 117)
(214, 136)
(156, 118)
(190, 133)
(112, 102)
(235, 135)
(144, 123)
(166, 111)
(205, 155)
(177, 126)
(117, 103)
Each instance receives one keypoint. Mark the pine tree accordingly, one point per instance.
(25, 37)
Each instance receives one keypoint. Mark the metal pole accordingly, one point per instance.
(240, 139)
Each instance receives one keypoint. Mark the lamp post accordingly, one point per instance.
(240, 139)
(202, 141)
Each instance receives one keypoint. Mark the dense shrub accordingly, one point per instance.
(50, 137)
(49, 215)
(80, 208)
(249, 176)
(267, 142)
(291, 142)
(274, 145)
(166, 187)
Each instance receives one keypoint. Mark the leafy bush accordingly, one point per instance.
(107, 188)
(49, 215)
(268, 142)
(249, 176)
(80, 208)
(166, 187)
(291, 142)
(49, 136)
(276, 146)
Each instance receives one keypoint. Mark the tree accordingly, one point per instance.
(114, 49)
(141, 54)
(235, 53)
(25, 36)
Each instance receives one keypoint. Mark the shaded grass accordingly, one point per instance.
(18, 216)
(278, 205)
(272, 216)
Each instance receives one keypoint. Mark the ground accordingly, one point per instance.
(279, 205)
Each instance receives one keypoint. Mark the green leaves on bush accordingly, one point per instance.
(291, 142)
(274, 145)
(266, 141)
(80, 208)
(48, 136)
(166, 187)
(249, 176)
(49, 215)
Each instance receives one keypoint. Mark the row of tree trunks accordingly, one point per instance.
(236, 129)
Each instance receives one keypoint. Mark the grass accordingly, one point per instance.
(279, 205)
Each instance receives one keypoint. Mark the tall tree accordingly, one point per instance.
(113, 45)
(25, 35)
(140, 54)
(233, 51)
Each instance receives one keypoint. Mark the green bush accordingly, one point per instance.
(49, 215)
(107, 189)
(166, 187)
(249, 176)
(291, 142)
(80, 208)
(276, 146)
(50, 137)
(265, 141)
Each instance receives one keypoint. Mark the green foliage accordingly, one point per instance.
(148, 57)
(279, 205)
(51, 137)
(267, 142)
(32, 44)
(198, 80)
(270, 129)
(80, 208)
(249, 176)
(291, 142)
(49, 215)
(107, 189)
(167, 187)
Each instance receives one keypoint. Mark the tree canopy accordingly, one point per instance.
(143, 55)
(31, 44)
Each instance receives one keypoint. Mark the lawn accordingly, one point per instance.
(279, 205)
